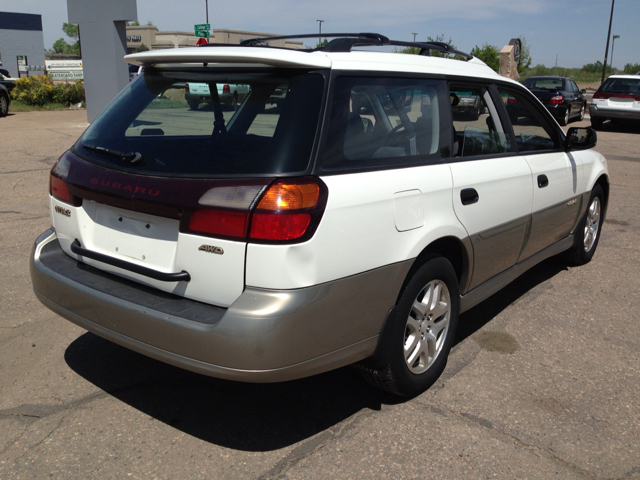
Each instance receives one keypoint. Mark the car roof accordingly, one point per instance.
(634, 77)
(340, 57)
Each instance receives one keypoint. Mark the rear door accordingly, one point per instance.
(492, 188)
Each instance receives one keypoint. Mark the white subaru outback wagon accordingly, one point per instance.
(349, 223)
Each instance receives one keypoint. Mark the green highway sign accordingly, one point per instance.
(203, 27)
(202, 34)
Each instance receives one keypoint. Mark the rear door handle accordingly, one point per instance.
(543, 181)
(469, 196)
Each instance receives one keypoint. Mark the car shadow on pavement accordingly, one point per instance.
(256, 417)
(621, 126)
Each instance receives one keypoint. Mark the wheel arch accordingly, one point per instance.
(458, 252)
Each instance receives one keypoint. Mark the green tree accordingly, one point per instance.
(62, 46)
(133, 24)
(142, 48)
(489, 54)
(632, 68)
(524, 62)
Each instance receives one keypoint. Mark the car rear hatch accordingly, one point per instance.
(167, 196)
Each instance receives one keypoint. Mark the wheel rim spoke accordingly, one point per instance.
(592, 224)
(426, 326)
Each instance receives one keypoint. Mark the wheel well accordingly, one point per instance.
(450, 248)
(603, 181)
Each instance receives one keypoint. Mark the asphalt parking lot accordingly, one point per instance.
(544, 381)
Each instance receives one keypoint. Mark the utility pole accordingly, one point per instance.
(319, 31)
(206, 2)
(613, 44)
(414, 37)
(606, 50)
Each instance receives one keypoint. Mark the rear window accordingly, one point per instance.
(621, 85)
(544, 83)
(236, 123)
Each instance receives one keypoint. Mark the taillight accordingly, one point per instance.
(511, 100)
(57, 186)
(59, 189)
(555, 100)
(186, 87)
(217, 222)
(285, 211)
(282, 211)
(601, 96)
(226, 89)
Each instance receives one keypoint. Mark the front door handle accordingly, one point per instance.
(469, 196)
(543, 181)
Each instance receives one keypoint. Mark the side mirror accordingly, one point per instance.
(581, 138)
(583, 91)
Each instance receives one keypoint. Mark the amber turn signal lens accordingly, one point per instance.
(290, 197)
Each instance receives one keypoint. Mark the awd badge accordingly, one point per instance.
(211, 249)
(63, 211)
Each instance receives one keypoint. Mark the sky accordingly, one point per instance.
(572, 31)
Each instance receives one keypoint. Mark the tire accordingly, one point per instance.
(4, 105)
(564, 120)
(587, 234)
(582, 110)
(596, 122)
(193, 106)
(234, 102)
(416, 341)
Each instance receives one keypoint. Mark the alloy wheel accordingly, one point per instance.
(592, 224)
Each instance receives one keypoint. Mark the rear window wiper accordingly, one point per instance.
(129, 157)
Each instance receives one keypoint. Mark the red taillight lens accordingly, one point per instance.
(511, 100)
(226, 89)
(279, 226)
(602, 96)
(58, 188)
(218, 222)
(286, 211)
(556, 100)
(186, 87)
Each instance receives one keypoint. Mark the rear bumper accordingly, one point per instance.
(264, 336)
(608, 112)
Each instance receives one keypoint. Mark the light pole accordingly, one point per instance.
(613, 44)
(414, 37)
(206, 2)
(606, 50)
(319, 31)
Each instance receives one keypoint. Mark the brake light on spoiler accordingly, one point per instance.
(287, 211)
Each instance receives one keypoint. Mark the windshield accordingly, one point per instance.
(209, 123)
(621, 85)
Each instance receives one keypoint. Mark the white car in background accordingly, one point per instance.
(229, 94)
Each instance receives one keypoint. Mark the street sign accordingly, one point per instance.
(203, 27)
(202, 34)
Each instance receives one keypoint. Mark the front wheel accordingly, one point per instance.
(417, 341)
(587, 232)
(582, 110)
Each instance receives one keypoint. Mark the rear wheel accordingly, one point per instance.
(418, 340)
(234, 102)
(4, 105)
(193, 106)
(587, 233)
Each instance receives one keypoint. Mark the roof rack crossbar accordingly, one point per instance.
(344, 42)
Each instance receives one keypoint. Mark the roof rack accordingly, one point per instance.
(344, 42)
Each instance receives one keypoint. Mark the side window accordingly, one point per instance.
(532, 131)
(477, 129)
(385, 122)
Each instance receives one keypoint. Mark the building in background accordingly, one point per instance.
(21, 43)
(148, 36)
